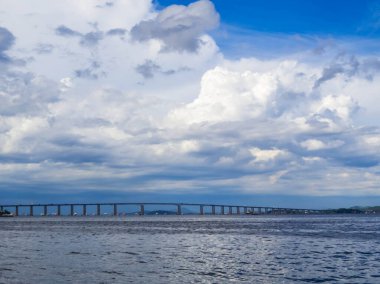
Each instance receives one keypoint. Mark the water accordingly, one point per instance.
(204, 249)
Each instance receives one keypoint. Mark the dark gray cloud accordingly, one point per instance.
(65, 31)
(179, 27)
(91, 72)
(347, 66)
(116, 32)
(149, 68)
(6, 41)
(89, 39)
(44, 48)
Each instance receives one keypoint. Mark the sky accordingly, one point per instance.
(271, 103)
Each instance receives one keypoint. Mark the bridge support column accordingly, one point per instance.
(222, 210)
(201, 211)
(238, 210)
(245, 210)
(58, 210)
(179, 211)
(230, 210)
(260, 210)
(115, 210)
(31, 210)
(213, 209)
(45, 210)
(84, 210)
(71, 210)
(98, 209)
(266, 210)
(142, 209)
(16, 210)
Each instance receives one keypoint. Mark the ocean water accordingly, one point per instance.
(188, 249)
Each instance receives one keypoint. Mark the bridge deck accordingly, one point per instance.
(239, 209)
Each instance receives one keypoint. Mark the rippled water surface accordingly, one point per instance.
(184, 249)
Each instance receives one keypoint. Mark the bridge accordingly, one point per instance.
(202, 209)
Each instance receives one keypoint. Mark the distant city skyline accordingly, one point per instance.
(273, 102)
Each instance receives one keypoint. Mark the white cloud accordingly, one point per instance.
(266, 155)
(315, 144)
(228, 96)
(175, 148)
(278, 90)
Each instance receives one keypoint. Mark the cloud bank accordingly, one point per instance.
(124, 97)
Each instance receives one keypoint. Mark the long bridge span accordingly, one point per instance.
(202, 209)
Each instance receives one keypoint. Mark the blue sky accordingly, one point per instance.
(265, 102)
(323, 17)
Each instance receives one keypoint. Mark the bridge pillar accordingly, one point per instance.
(238, 210)
(98, 209)
(266, 210)
(115, 210)
(71, 210)
(45, 210)
(213, 209)
(142, 209)
(16, 210)
(58, 210)
(245, 210)
(201, 211)
(259, 210)
(222, 210)
(31, 210)
(84, 210)
(179, 211)
(229, 210)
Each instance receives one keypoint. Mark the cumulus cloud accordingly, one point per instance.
(179, 27)
(273, 104)
(228, 95)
